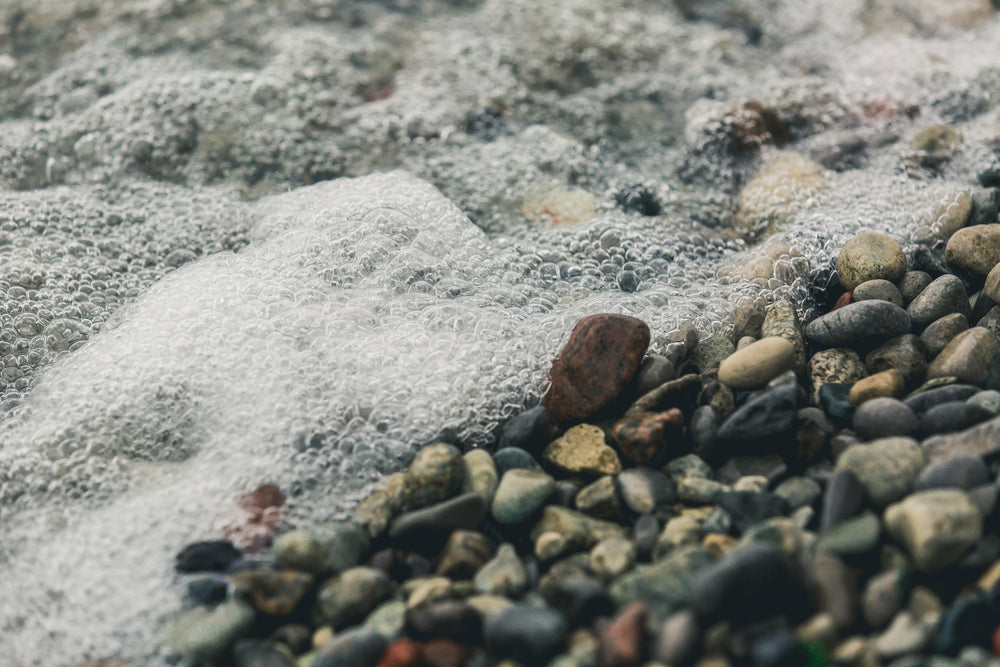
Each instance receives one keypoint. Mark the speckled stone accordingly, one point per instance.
(799, 491)
(481, 476)
(698, 490)
(436, 473)
(913, 283)
(758, 363)
(835, 366)
(936, 527)
(582, 450)
(868, 256)
(465, 552)
(966, 357)
(612, 557)
(945, 295)
(860, 323)
(888, 383)
(940, 332)
(905, 353)
(975, 249)
(886, 468)
(781, 320)
(711, 350)
(332, 548)
(600, 499)
(647, 437)
(879, 289)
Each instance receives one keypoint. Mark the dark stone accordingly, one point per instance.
(644, 535)
(357, 647)
(259, 653)
(646, 437)
(927, 399)
(844, 497)
(859, 324)
(883, 417)
(530, 430)
(426, 529)
(208, 556)
(953, 416)
(448, 619)
(680, 393)
(752, 583)
(748, 508)
(565, 493)
(581, 600)
(207, 589)
(655, 371)
(913, 283)
(963, 471)
(761, 419)
(628, 281)
(835, 401)
(704, 425)
(970, 622)
(982, 440)
(509, 458)
(465, 552)
(942, 297)
(640, 199)
(906, 353)
(778, 648)
(812, 435)
(771, 466)
(603, 353)
(526, 634)
(272, 592)
(985, 498)
(986, 203)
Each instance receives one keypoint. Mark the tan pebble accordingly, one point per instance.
(322, 636)
(719, 545)
(582, 450)
(992, 287)
(868, 256)
(889, 383)
(758, 363)
(976, 248)
(990, 577)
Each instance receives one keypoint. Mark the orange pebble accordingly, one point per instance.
(401, 653)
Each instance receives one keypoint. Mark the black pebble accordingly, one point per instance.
(581, 600)
(844, 497)
(510, 458)
(529, 635)
(926, 400)
(952, 416)
(449, 619)
(529, 430)
(207, 589)
(748, 508)
(208, 556)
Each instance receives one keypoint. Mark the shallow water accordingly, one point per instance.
(200, 297)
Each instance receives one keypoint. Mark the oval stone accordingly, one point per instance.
(758, 363)
(886, 468)
(859, 323)
(975, 249)
(966, 357)
(868, 256)
(935, 527)
(942, 297)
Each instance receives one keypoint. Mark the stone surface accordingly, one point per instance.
(654, 371)
(880, 289)
(603, 353)
(465, 552)
(913, 283)
(509, 458)
(520, 495)
(859, 324)
(887, 384)
(834, 366)
(868, 256)
(781, 320)
(905, 353)
(644, 490)
(646, 437)
(966, 357)
(530, 430)
(435, 474)
(567, 522)
(207, 556)
(527, 634)
(886, 468)
(427, 528)
(600, 499)
(944, 296)
(203, 634)
(331, 547)
(663, 586)
(272, 592)
(612, 557)
(884, 417)
(842, 499)
(621, 642)
(346, 599)
(962, 471)
(758, 363)
(975, 249)
(936, 527)
(982, 440)
(357, 647)
(992, 286)
(582, 450)
(771, 412)
(940, 332)
(504, 575)
(952, 416)
(481, 476)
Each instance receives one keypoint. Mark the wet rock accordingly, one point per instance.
(527, 634)
(600, 499)
(769, 414)
(923, 401)
(603, 353)
(887, 384)
(569, 523)
(481, 476)
(868, 256)
(940, 332)
(905, 353)
(859, 324)
(799, 491)
(886, 468)
(936, 527)
(357, 647)
(261, 653)
(346, 599)
(913, 283)
(388, 619)
(834, 366)
(982, 440)
(835, 400)
(207, 556)
(581, 599)
(970, 622)
(427, 528)
(884, 417)
(883, 597)
(271, 592)
(758, 363)
(655, 371)
(747, 508)
(520, 494)
(711, 350)
(966, 357)
(621, 641)
(780, 320)
(510, 458)
(835, 588)
(944, 296)
(878, 289)
(529, 430)
(203, 634)
(646, 437)
(332, 547)
(644, 490)
(952, 416)
(504, 575)
(612, 557)
(842, 499)
(444, 618)
(680, 531)
(975, 249)
(644, 535)
(679, 392)
(464, 553)
(664, 586)
(851, 537)
(699, 490)
(436, 474)
(778, 648)
(582, 450)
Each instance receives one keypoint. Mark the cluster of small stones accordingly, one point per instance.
(798, 496)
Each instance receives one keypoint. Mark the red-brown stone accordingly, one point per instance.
(403, 652)
(602, 355)
(444, 653)
(644, 437)
(621, 641)
(845, 299)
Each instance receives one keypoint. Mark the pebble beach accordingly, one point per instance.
(440, 332)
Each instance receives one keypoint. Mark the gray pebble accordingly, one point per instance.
(880, 289)
(520, 494)
(940, 332)
(799, 491)
(886, 468)
(861, 323)
(644, 490)
(883, 417)
(913, 283)
(944, 296)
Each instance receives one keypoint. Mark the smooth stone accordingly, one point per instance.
(655, 371)
(600, 499)
(940, 332)
(944, 296)
(834, 366)
(510, 458)
(444, 618)
(966, 357)
(884, 417)
(799, 491)
(836, 588)
(886, 468)
(913, 283)
(985, 498)
(648, 437)
(529, 430)
(878, 289)
(581, 599)
(261, 653)
(504, 575)
(952, 416)
(962, 471)
(745, 342)
(426, 528)
(679, 531)
(388, 619)
(770, 413)
(781, 320)
(526, 634)
(677, 638)
(644, 490)
(711, 351)
(680, 392)
(207, 556)
(621, 642)
(851, 537)
(842, 499)
(347, 598)
(859, 324)
(906, 634)
(663, 586)
(887, 384)
(203, 634)
(868, 256)
(747, 509)
(935, 527)
(988, 400)
(357, 647)
(686, 466)
(992, 287)
(904, 353)
(271, 592)
(520, 494)
(603, 353)
(835, 400)
(436, 474)
(748, 317)
(612, 557)
(982, 440)
(770, 465)
(925, 400)
(758, 363)
(751, 583)
(991, 320)
(488, 606)
(645, 532)
(331, 547)
(883, 597)
(568, 522)
(465, 552)
(375, 512)
(975, 249)
(699, 490)
(565, 492)
(481, 476)
(582, 450)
